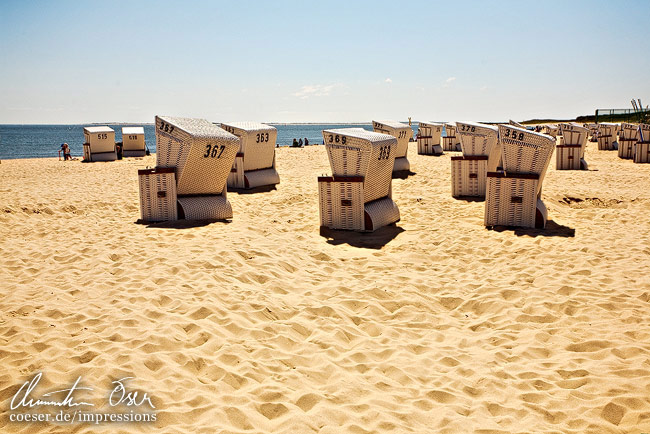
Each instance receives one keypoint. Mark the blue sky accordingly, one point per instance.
(295, 61)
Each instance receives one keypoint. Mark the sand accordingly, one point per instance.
(266, 325)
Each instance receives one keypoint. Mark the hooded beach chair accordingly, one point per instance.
(481, 153)
(514, 194)
(642, 147)
(133, 144)
(516, 124)
(201, 155)
(593, 132)
(403, 133)
(450, 141)
(429, 135)
(99, 144)
(255, 162)
(627, 139)
(358, 195)
(607, 136)
(571, 149)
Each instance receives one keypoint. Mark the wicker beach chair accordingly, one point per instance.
(358, 195)
(607, 136)
(571, 149)
(99, 144)
(403, 133)
(133, 144)
(516, 124)
(593, 132)
(627, 139)
(481, 153)
(429, 135)
(642, 147)
(450, 141)
(513, 195)
(255, 162)
(202, 155)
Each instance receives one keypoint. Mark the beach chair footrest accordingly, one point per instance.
(204, 208)
(261, 177)
(401, 165)
(379, 213)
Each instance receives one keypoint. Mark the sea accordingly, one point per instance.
(42, 141)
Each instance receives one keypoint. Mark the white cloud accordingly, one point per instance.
(388, 80)
(315, 90)
(449, 81)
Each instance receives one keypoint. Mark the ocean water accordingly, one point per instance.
(38, 141)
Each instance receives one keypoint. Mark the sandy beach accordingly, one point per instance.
(265, 324)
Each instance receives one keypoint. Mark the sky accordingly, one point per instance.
(327, 61)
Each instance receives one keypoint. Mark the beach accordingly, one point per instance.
(266, 324)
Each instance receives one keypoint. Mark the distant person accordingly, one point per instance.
(295, 143)
(300, 142)
(67, 155)
(118, 150)
(306, 141)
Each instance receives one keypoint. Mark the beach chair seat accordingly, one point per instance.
(571, 149)
(481, 154)
(429, 138)
(627, 140)
(157, 194)
(513, 195)
(450, 141)
(607, 136)
(201, 155)
(358, 194)
(255, 162)
(642, 147)
(403, 133)
(99, 144)
(133, 144)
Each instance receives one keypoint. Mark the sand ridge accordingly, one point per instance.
(264, 324)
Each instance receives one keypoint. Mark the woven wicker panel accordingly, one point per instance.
(382, 212)
(567, 158)
(236, 176)
(100, 139)
(642, 152)
(644, 132)
(626, 148)
(341, 205)
(132, 139)
(525, 151)
(451, 144)
(201, 152)
(402, 132)
(357, 152)
(261, 177)
(205, 207)
(606, 143)
(468, 178)
(476, 139)
(429, 138)
(257, 143)
(158, 197)
(628, 132)
(511, 202)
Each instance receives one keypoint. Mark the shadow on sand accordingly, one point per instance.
(365, 240)
(403, 174)
(552, 230)
(261, 189)
(180, 224)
